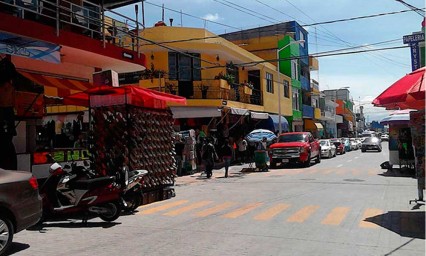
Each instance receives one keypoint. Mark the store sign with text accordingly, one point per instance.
(29, 48)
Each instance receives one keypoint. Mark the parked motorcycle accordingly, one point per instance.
(77, 193)
(132, 189)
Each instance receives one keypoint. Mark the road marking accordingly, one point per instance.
(187, 208)
(303, 214)
(328, 171)
(336, 216)
(214, 209)
(163, 207)
(241, 211)
(271, 212)
(372, 172)
(371, 213)
(340, 165)
(355, 172)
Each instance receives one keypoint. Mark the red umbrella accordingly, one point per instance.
(407, 92)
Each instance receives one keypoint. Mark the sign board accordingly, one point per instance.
(29, 48)
(414, 38)
(106, 77)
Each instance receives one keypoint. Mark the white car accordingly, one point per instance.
(384, 137)
(328, 149)
(354, 144)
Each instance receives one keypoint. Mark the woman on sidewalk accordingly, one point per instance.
(226, 153)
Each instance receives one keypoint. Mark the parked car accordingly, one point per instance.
(295, 147)
(372, 143)
(347, 144)
(359, 141)
(340, 148)
(328, 149)
(354, 144)
(20, 204)
(384, 137)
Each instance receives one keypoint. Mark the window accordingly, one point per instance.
(183, 67)
(296, 105)
(286, 89)
(301, 37)
(269, 82)
(294, 70)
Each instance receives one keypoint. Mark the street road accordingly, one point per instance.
(346, 205)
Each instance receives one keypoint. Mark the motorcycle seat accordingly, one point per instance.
(92, 183)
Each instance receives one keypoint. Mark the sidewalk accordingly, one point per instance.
(234, 171)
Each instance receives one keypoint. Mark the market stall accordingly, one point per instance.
(131, 126)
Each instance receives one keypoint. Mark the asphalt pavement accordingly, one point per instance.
(345, 205)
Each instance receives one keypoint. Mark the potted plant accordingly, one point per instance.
(152, 77)
(248, 87)
(225, 80)
(171, 88)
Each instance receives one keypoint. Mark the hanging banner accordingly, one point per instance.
(29, 48)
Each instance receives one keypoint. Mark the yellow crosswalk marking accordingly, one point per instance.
(372, 172)
(328, 171)
(187, 208)
(271, 212)
(163, 207)
(369, 213)
(336, 216)
(303, 214)
(214, 209)
(241, 211)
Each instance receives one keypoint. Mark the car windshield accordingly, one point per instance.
(292, 138)
(370, 139)
(323, 143)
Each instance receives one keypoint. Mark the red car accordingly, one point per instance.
(340, 147)
(295, 147)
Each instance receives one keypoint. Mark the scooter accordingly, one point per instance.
(65, 195)
(132, 191)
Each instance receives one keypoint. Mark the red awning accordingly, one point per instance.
(59, 87)
(407, 92)
(138, 96)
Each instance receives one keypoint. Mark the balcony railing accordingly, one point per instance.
(217, 93)
(86, 19)
(308, 111)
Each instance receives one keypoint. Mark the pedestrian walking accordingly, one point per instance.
(242, 150)
(209, 156)
(226, 154)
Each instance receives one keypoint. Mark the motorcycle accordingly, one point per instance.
(132, 189)
(77, 192)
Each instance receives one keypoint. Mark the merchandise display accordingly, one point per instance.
(137, 137)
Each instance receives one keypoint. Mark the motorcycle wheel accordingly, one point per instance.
(113, 214)
(133, 203)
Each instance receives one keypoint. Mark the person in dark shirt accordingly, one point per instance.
(179, 146)
(226, 154)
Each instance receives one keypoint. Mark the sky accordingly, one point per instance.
(366, 74)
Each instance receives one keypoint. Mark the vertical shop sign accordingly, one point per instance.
(413, 40)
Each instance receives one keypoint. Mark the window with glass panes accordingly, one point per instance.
(269, 82)
(286, 89)
(296, 105)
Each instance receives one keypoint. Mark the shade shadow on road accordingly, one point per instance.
(397, 172)
(406, 224)
(44, 227)
(16, 247)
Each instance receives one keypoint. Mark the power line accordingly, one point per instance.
(417, 10)
(242, 9)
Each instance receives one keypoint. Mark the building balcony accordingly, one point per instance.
(306, 85)
(313, 63)
(327, 115)
(317, 113)
(307, 111)
(85, 36)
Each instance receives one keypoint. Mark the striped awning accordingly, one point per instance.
(57, 86)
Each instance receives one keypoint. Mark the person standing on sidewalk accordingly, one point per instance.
(209, 156)
(242, 150)
(226, 153)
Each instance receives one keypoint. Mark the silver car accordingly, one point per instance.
(328, 149)
(20, 204)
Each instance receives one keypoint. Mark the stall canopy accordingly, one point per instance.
(195, 112)
(239, 111)
(130, 94)
(407, 92)
(398, 117)
(259, 115)
(310, 124)
(284, 122)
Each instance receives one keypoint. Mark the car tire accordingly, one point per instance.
(6, 229)
(363, 150)
(307, 163)
(273, 164)
(379, 150)
(318, 159)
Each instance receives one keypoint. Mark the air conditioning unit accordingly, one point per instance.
(107, 77)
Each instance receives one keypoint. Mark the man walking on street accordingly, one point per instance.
(226, 153)
(209, 156)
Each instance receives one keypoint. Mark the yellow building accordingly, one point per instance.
(190, 62)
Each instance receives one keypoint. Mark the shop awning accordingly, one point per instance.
(239, 111)
(56, 86)
(259, 115)
(310, 124)
(284, 122)
(102, 95)
(195, 112)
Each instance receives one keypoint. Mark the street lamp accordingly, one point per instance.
(279, 81)
(335, 112)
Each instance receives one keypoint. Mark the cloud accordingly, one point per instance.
(212, 17)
